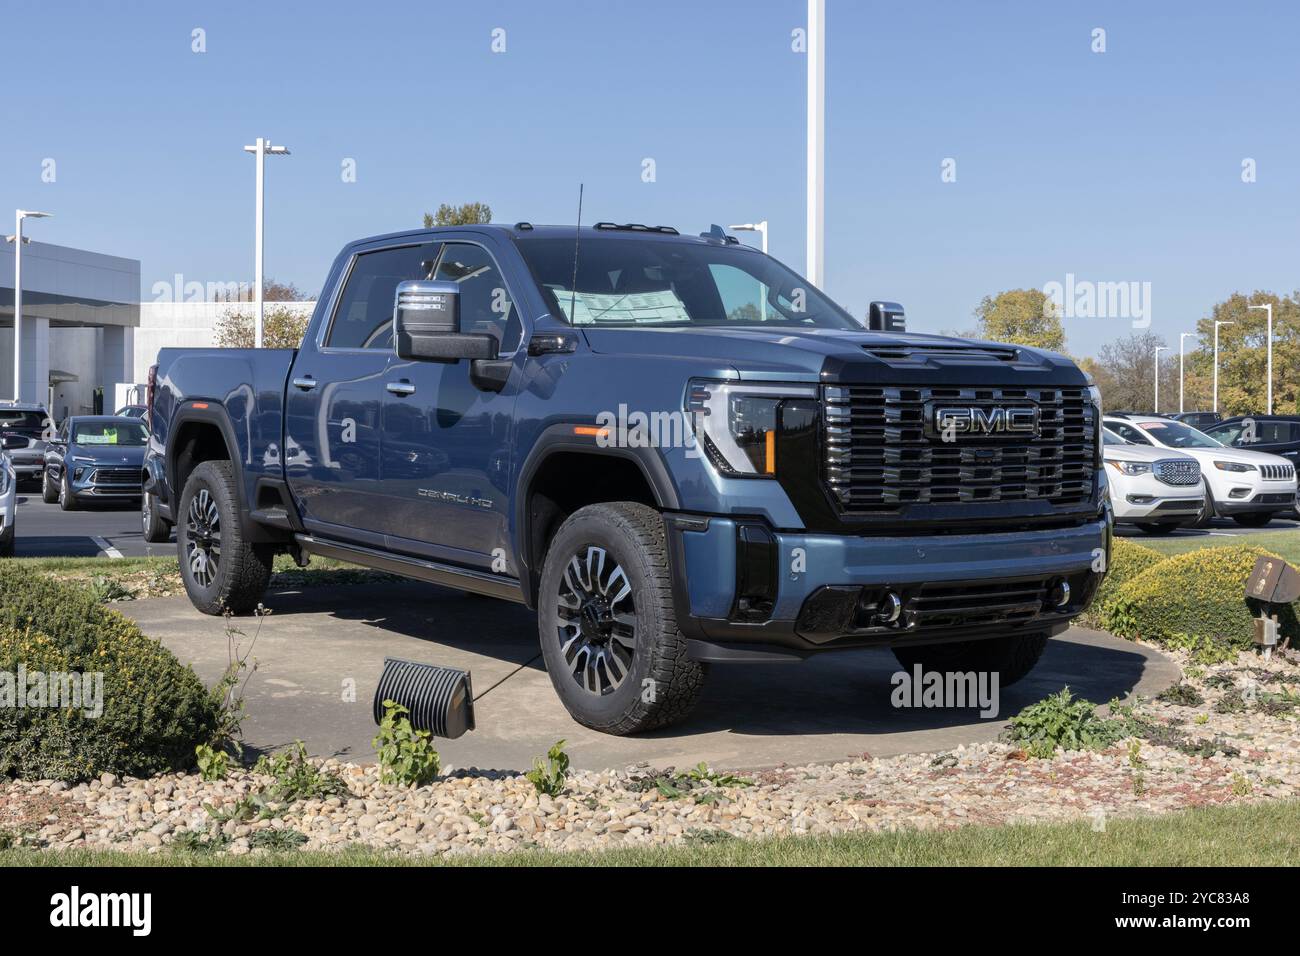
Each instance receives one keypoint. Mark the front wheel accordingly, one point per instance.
(608, 629)
(1012, 657)
(7, 541)
(1207, 511)
(1153, 527)
(156, 530)
(67, 499)
(220, 569)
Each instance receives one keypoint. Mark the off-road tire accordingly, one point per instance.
(243, 570)
(154, 528)
(661, 683)
(49, 493)
(1012, 657)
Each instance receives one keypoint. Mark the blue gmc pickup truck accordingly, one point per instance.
(672, 448)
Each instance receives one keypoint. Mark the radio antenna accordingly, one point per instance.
(577, 237)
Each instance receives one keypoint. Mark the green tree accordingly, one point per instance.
(1021, 317)
(1243, 355)
(466, 214)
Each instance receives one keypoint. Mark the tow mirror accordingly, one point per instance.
(426, 324)
(886, 317)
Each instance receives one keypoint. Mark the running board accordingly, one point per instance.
(465, 579)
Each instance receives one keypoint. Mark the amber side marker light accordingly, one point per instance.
(199, 405)
(769, 461)
(591, 431)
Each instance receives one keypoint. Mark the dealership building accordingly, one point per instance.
(84, 328)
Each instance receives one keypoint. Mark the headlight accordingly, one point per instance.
(1233, 466)
(82, 458)
(736, 423)
(1129, 467)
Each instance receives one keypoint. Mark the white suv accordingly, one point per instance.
(1155, 489)
(1248, 486)
(8, 505)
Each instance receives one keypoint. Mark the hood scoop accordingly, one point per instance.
(904, 354)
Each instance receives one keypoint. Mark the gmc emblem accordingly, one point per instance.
(953, 421)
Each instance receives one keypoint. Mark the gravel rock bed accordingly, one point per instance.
(1240, 743)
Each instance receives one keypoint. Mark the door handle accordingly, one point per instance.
(401, 388)
(304, 382)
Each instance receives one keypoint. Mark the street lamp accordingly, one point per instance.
(1217, 323)
(18, 240)
(1268, 307)
(758, 227)
(260, 149)
(1159, 349)
(1181, 337)
(816, 139)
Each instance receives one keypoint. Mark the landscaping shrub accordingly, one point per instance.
(1128, 559)
(1196, 598)
(155, 711)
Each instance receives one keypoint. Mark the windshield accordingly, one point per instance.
(1177, 435)
(130, 434)
(15, 418)
(635, 283)
(1108, 437)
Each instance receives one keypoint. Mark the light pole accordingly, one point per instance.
(1159, 349)
(18, 240)
(260, 149)
(816, 139)
(758, 227)
(1217, 323)
(1268, 307)
(1181, 337)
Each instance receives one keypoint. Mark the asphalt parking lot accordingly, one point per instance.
(110, 531)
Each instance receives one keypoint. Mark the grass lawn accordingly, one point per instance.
(1285, 544)
(1247, 835)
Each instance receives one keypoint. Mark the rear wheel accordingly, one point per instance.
(1012, 657)
(156, 530)
(49, 491)
(1254, 519)
(608, 629)
(220, 569)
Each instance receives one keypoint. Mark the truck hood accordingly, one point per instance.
(1141, 453)
(843, 354)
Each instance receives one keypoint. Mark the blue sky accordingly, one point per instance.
(1121, 166)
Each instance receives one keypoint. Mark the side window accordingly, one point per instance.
(485, 303)
(364, 316)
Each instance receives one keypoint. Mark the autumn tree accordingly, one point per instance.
(1243, 355)
(1021, 317)
(282, 328)
(466, 214)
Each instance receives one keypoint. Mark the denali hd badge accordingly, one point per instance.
(951, 422)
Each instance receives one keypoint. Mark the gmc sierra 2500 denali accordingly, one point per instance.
(464, 411)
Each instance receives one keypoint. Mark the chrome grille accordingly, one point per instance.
(1177, 471)
(879, 459)
(1277, 472)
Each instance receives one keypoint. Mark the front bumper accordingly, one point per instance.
(1258, 501)
(99, 482)
(28, 467)
(738, 583)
